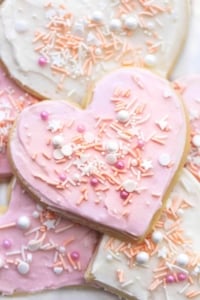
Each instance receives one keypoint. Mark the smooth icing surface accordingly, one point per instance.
(38, 249)
(189, 88)
(12, 101)
(167, 264)
(59, 48)
(111, 163)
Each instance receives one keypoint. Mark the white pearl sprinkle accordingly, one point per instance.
(182, 259)
(89, 137)
(67, 150)
(115, 25)
(98, 51)
(62, 249)
(150, 60)
(112, 146)
(58, 140)
(130, 23)
(142, 257)
(196, 140)
(129, 185)
(1, 262)
(29, 257)
(109, 257)
(35, 214)
(21, 26)
(23, 268)
(164, 159)
(123, 116)
(58, 270)
(97, 16)
(23, 222)
(157, 237)
(111, 158)
(57, 154)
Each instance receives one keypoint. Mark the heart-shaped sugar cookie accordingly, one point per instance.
(38, 249)
(108, 166)
(57, 49)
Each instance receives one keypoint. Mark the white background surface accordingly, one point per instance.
(188, 63)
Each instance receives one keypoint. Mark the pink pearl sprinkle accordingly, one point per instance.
(140, 143)
(120, 164)
(182, 276)
(124, 195)
(62, 177)
(42, 61)
(44, 115)
(81, 128)
(7, 243)
(94, 181)
(170, 278)
(75, 255)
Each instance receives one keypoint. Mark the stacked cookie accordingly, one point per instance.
(115, 167)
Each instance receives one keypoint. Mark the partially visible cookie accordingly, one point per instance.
(58, 49)
(167, 264)
(110, 166)
(12, 101)
(189, 88)
(39, 250)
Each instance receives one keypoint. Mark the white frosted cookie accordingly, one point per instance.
(58, 49)
(39, 250)
(189, 88)
(167, 264)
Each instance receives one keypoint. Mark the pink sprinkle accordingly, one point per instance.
(44, 115)
(120, 165)
(182, 276)
(124, 195)
(75, 255)
(170, 279)
(62, 177)
(94, 181)
(81, 128)
(7, 243)
(140, 144)
(42, 61)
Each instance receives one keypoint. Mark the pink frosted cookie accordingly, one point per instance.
(38, 249)
(111, 165)
(189, 88)
(59, 48)
(167, 264)
(12, 101)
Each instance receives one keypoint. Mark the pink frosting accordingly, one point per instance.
(39, 250)
(12, 101)
(189, 87)
(111, 163)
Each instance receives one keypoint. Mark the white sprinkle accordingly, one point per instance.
(196, 140)
(97, 16)
(129, 185)
(182, 259)
(89, 137)
(67, 150)
(23, 222)
(57, 154)
(58, 140)
(1, 262)
(21, 26)
(115, 25)
(111, 158)
(130, 23)
(58, 270)
(142, 257)
(164, 159)
(23, 267)
(123, 116)
(112, 146)
(157, 237)
(150, 60)
(65, 228)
